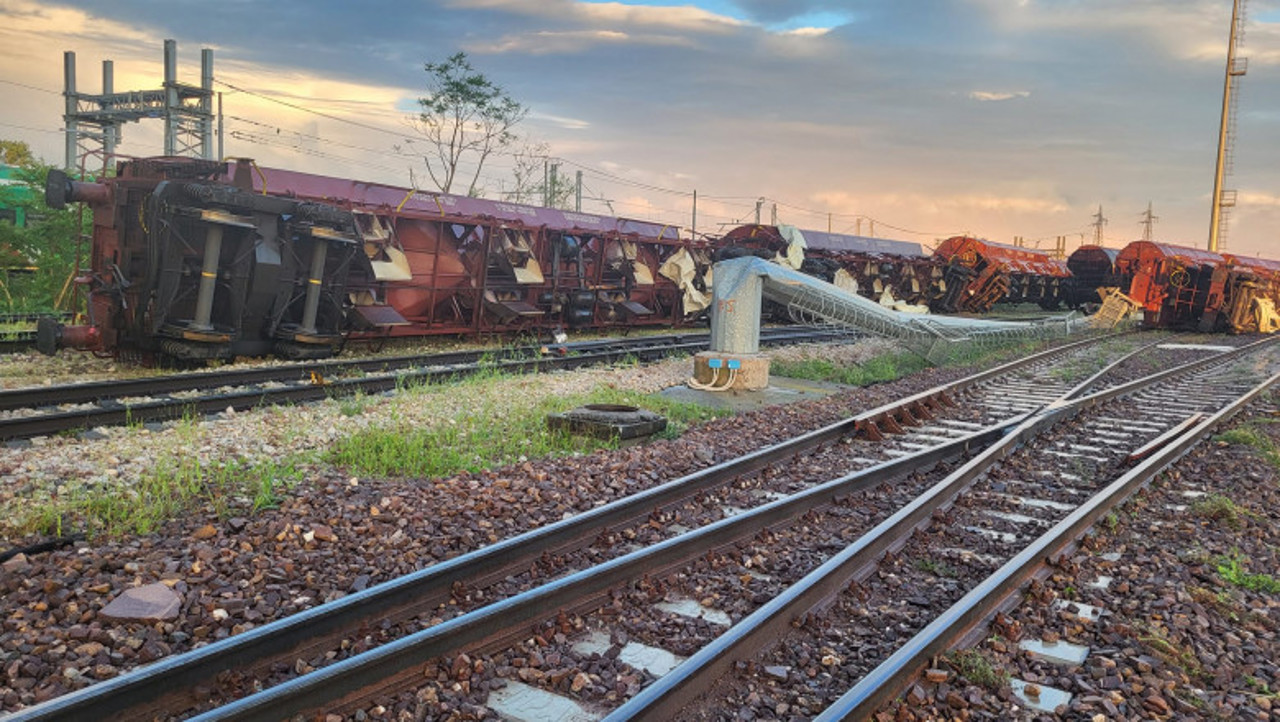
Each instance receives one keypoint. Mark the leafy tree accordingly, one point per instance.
(464, 116)
(49, 242)
(16, 152)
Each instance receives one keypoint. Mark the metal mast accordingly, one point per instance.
(1099, 222)
(95, 122)
(1148, 220)
(1236, 68)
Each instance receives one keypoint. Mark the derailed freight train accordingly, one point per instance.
(194, 259)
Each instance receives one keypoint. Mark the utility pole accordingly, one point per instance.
(1098, 223)
(773, 216)
(857, 226)
(1148, 220)
(759, 202)
(828, 223)
(577, 204)
(553, 191)
(1236, 68)
(693, 227)
(221, 153)
(872, 232)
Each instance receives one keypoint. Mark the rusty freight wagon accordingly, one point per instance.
(981, 273)
(198, 259)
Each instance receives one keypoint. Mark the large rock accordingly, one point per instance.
(149, 603)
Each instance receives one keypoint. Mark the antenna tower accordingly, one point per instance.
(1223, 199)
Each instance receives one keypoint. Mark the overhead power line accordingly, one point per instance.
(30, 87)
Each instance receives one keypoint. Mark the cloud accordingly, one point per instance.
(885, 102)
(988, 96)
(1258, 198)
(807, 32)
(561, 121)
(935, 205)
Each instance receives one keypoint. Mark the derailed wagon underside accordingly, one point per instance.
(196, 259)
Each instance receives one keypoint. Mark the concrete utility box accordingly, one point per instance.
(609, 421)
(746, 372)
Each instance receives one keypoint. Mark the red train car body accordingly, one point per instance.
(981, 273)
(1191, 288)
(197, 259)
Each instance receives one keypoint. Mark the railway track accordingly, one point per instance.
(38, 411)
(764, 488)
(14, 339)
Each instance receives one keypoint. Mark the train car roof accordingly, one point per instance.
(1265, 264)
(825, 241)
(1091, 249)
(433, 203)
(1192, 256)
(1025, 260)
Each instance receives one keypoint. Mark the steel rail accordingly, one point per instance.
(97, 391)
(115, 413)
(136, 692)
(977, 607)
(672, 692)
(1089, 382)
(509, 620)
(15, 341)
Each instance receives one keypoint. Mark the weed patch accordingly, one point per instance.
(1253, 437)
(1220, 508)
(1231, 569)
(935, 567)
(975, 667)
(499, 428)
(170, 491)
(888, 367)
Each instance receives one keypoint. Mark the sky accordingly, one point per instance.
(930, 118)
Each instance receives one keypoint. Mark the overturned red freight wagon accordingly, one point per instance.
(981, 273)
(197, 259)
(1175, 286)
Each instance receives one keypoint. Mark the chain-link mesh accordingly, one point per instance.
(933, 337)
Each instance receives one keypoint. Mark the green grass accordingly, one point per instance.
(973, 666)
(498, 428)
(1222, 509)
(935, 568)
(888, 367)
(1231, 569)
(893, 366)
(171, 490)
(1253, 437)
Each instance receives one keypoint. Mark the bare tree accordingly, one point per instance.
(527, 172)
(464, 116)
